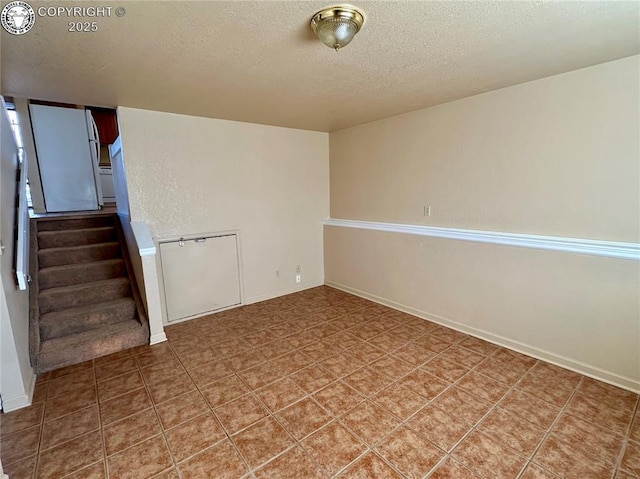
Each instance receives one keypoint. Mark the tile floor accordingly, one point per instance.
(321, 384)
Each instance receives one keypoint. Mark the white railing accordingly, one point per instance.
(22, 246)
(612, 249)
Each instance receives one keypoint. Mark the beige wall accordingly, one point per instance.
(189, 176)
(557, 156)
(16, 375)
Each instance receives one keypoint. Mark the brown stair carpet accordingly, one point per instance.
(84, 302)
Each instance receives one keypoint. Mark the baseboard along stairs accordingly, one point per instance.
(84, 302)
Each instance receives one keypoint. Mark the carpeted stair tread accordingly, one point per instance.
(57, 299)
(62, 223)
(76, 237)
(83, 302)
(70, 274)
(76, 348)
(85, 318)
(78, 254)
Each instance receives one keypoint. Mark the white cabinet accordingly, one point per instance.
(200, 275)
(106, 181)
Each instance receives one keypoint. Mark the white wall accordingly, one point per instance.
(557, 156)
(191, 176)
(16, 375)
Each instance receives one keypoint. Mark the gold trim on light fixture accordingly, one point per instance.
(325, 25)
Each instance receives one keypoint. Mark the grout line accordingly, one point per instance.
(105, 467)
(553, 424)
(627, 437)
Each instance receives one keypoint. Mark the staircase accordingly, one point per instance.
(84, 302)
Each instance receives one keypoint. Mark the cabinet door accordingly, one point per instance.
(107, 123)
(200, 276)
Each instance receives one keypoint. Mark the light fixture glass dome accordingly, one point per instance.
(336, 26)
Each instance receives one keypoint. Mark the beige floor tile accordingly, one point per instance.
(193, 436)
(22, 469)
(125, 405)
(224, 391)
(410, 453)
(95, 471)
(115, 368)
(221, 461)
(62, 405)
(531, 408)
(71, 382)
(19, 445)
(451, 469)
(588, 435)
(131, 430)
(333, 447)
(458, 402)
(280, 394)
(170, 388)
(70, 456)
(512, 431)
(303, 418)
(240, 413)
(21, 419)
(180, 409)
(370, 422)
(370, 466)
(631, 459)
(401, 401)
(367, 381)
(293, 464)
(488, 457)
(119, 385)
(442, 429)
(262, 441)
(69, 427)
(141, 461)
(338, 397)
(570, 462)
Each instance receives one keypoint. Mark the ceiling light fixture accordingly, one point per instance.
(336, 26)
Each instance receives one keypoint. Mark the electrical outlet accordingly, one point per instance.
(298, 269)
(426, 211)
(298, 279)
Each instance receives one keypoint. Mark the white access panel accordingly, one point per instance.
(200, 275)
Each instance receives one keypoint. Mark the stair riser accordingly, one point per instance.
(82, 273)
(61, 239)
(59, 353)
(51, 300)
(78, 323)
(75, 223)
(101, 252)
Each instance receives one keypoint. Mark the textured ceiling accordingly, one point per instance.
(258, 61)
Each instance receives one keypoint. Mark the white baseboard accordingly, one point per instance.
(567, 363)
(22, 400)
(284, 291)
(158, 338)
